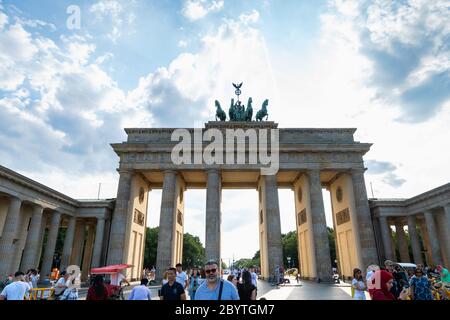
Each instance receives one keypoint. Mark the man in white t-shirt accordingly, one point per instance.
(118, 278)
(16, 290)
(181, 275)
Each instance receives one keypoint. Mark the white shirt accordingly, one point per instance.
(359, 294)
(140, 292)
(254, 279)
(15, 290)
(182, 278)
(34, 280)
(116, 279)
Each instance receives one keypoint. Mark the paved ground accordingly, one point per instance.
(304, 290)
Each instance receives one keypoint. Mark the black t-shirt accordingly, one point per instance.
(245, 291)
(172, 292)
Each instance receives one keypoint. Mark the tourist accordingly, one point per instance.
(382, 282)
(445, 275)
(164, 279)
(98, 290)
(420, 286)
(71, 291)
(172, 290)
(60, 285)
(7, 281)
(194, 282)
(34, 277)
(254, 277)
(16, 290)
(233, 280)
(141, 292)
(358, 285)
(215, 288)
(118, 278)
(182, 277)
(395, 288)
(246, 289)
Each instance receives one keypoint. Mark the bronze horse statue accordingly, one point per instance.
(219, 112)
(263, 112)
(249, 110)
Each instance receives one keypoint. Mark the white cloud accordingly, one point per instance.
(118, 13)
(182, 44)
(252, 17)
(198, 9)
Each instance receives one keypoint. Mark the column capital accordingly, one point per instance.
(357, 170)
(125, 171)
(214, 171)
(170, 171)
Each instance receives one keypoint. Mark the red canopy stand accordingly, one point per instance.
(110, 269)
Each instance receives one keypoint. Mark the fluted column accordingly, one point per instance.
(166, 236)
(446, 232)
(319, 225)
(432, 235)
(98, 244)
(402, 242)
(87, 256)
(386, 236)
(412, 231)
(364, 220)
(213, 216)
(51, 244)
(117, 241)
(68, 243)
(9, 234)
(33, 245)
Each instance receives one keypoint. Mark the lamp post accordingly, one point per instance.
(289, 262)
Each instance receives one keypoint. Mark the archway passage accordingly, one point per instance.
(308, 160)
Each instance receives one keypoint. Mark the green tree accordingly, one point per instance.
(151, 244)
(193, 251)
(290, 249)
(332, 243)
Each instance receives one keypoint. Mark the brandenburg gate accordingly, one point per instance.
(307, 159)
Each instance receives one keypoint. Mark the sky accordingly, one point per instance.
(70, 83)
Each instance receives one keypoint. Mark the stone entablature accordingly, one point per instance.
(430, 200)
(299, 149)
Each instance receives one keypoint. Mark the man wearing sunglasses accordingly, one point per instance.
(215, 288)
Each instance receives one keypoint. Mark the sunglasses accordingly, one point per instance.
(210, 271)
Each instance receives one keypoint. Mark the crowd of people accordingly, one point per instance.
(392, 282)
(388, 282)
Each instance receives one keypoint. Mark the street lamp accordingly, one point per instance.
(289, 262)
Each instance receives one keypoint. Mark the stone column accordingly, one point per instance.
(402, 241)
(273, 224)
(446, 228)
(166, 236)
(78, 245)
(12, 222)
(213, 216)
(33, 245)
(432, 235)
(386, 235)
(412, 231)
(98, 244)
(119, 219)
(50, 246)
(68, 243)
(87, 256)
(363, 217)
(319, 225)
